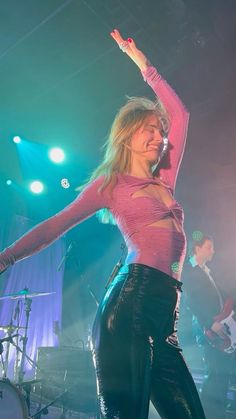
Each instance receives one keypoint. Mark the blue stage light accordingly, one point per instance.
(16, 139)
(57, 155)
(36, 187)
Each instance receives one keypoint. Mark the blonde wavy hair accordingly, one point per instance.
(117, 158)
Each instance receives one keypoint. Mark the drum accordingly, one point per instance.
(12, 402)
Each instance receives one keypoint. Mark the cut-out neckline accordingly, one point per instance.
(158, 181)
(160, 202)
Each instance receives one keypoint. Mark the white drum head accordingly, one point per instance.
(12, 403)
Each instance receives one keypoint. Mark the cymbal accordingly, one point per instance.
(25, 293)
(9, 327)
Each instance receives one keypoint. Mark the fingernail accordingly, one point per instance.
(129, 40)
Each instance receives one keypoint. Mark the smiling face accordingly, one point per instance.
(147, 142)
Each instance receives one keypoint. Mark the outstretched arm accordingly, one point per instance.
(86, 204)
(174, 107)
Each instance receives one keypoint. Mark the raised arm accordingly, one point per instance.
(86, 204)
(178, 117)
(174, 107)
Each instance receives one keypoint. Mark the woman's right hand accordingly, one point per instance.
(129, 47)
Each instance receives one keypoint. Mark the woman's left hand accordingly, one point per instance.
(128, 46)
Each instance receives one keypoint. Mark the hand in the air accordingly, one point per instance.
(128, 46)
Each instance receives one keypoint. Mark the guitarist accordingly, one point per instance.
(205, 301)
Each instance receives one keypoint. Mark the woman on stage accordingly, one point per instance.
(135, 345)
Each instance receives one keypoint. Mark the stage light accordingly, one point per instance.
(36, 187)
(65, 183)
(197, 235)
(16, 139)
(9, 182)
(57, 155)
(175, 267)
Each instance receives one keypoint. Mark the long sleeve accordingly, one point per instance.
(179, 118)
(86, 204)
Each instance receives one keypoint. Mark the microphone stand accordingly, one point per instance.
(63, 259)
(8, 347)
(16, 319)
(41, 411)
(27, 303)
(92, 295)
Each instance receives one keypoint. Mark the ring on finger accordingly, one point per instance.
(123, 45)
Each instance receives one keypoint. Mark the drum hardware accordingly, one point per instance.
(27, 304)
(25, 293)
(37, 415)
(16, 318)
(27, 296)
(24, 339)
(9, 340)
(61, 398)
(21, 404)
(68, 368)
(26, 386)
(9, 328)
(2, 360)
(30, 382)
(24, 356)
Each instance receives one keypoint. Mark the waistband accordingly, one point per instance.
(147, 271)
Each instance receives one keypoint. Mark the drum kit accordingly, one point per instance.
(15, 395)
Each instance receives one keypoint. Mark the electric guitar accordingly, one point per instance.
(227, 317)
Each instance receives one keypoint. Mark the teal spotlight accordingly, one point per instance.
(57, 155)
(9, 182)
(16, 139)
(36, 187)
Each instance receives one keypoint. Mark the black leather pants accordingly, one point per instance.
(136, 352)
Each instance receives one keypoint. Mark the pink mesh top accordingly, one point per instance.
(154, 246)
